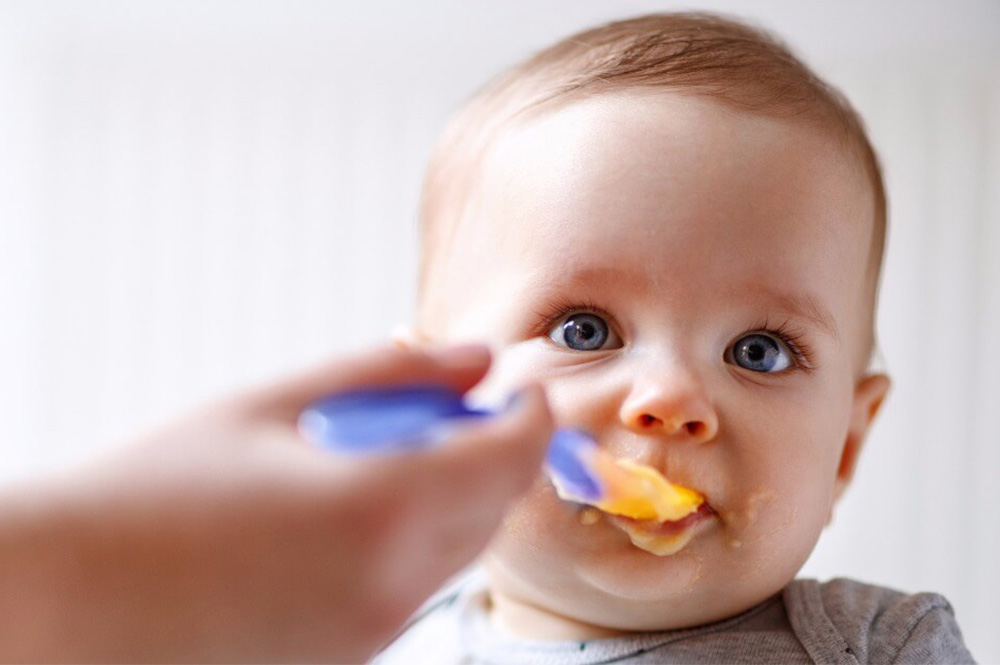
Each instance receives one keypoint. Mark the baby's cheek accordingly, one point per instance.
(533, 538)
(751, 517)
(770, 532)
(528, 516)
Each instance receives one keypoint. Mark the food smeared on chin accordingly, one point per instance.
(662, 538)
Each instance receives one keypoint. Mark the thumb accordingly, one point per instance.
(489, 462)
(453, 496)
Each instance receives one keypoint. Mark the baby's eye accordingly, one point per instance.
(584, 332)
(760, 353)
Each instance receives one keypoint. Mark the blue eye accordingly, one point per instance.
(760, 353)
(583, 332)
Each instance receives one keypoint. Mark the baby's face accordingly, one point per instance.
(689, 282)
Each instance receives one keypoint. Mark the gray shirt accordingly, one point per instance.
(841, 621)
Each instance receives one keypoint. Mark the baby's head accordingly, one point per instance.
(678, 229)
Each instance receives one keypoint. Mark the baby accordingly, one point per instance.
(678, 229)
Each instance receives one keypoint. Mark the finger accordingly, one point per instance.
(457, 367)
(447, 501)
(480, 468)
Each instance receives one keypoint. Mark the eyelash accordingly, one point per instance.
(557, 309)
(793, 338)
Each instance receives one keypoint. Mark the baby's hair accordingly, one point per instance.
(701, 54)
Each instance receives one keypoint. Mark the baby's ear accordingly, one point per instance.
(869, 393)
(408, 336)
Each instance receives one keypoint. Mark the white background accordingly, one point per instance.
(198, 195)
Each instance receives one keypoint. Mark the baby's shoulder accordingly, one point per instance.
(845, 620)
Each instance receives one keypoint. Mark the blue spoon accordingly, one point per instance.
(399, 419)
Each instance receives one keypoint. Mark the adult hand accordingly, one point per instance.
(227, 537)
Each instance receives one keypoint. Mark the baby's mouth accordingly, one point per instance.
(664, 538)
(658, 515)
(582, 472)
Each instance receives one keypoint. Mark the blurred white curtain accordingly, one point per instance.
(193, 202)
(924, 511)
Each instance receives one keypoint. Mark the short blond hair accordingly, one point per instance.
(710, 55)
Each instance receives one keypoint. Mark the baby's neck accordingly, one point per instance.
(515, 617)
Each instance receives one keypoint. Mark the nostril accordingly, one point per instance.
(696, 428)
(646, 420)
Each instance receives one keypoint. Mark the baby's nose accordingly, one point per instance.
(667, 407)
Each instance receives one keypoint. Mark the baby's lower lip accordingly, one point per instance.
(664, 539)
(653, 527)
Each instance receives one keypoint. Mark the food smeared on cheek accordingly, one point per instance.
(749, 511)
(590, 516)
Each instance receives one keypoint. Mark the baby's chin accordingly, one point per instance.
(623, 600)
(599, 577)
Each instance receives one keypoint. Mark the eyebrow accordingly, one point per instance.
(800, 305)
(806, 306)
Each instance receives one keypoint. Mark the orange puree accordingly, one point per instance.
(635, 490)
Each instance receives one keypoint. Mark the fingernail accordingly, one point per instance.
(516, 400)
(463, 356)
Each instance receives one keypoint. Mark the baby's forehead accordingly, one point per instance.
(637, 122)
(637, 155)
(589, 130)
